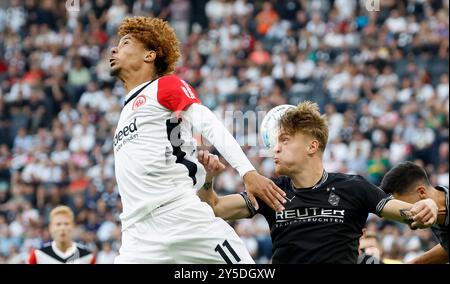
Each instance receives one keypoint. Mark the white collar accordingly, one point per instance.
(64, 255)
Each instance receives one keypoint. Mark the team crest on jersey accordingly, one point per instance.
(139, 101)
(334, 199)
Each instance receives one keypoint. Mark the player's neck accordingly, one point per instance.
(309, 176)
(132, 80)
(64, 246)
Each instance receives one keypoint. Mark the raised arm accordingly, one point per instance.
(230, 207)
(206, 123)
(421, 214)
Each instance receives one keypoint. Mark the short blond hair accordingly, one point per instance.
(62, 210)
(306, 119)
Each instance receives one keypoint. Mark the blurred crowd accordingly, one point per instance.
(381, 77)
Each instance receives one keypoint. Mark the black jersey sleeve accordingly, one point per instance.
(263, 208)
(372, 197)
(249, 204)
(282, 182)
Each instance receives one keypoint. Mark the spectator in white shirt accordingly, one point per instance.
(398, 150)
(106, 255)
(92, 97)
(396, 23)
(305, 67)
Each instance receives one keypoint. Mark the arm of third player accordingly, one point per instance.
(422, 214)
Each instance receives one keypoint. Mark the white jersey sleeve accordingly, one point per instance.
(205, 122)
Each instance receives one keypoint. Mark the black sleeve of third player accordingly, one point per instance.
(372, 197)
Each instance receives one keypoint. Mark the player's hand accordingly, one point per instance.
(265, 189)
(212, 164)
(424, 214)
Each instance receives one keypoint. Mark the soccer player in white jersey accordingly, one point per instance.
(163, 220)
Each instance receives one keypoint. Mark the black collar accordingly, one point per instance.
(322, 180)
(138, 91)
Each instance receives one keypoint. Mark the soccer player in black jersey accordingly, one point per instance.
(409, 182)
(324, 212)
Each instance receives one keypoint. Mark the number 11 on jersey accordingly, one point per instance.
(221, 251)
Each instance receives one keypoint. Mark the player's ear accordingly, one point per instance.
(150, 56)
(313, 147)
(422, 192)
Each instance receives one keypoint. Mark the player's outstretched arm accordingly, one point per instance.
(206, 123)
(422, 214)
(230, 207)
(436, 255)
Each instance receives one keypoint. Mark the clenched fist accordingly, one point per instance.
(424, 214)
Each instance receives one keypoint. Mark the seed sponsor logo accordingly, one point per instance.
(126, 134)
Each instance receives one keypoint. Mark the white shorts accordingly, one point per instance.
(181, 232)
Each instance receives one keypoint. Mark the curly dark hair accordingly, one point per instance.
(157, 35)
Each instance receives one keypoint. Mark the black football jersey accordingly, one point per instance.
(322, 224)
(441, 231)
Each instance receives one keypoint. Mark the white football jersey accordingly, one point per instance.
(155, 153)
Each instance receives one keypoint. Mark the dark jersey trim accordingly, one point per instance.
(249, 204)
(382, 203)
(445, 190)
(138, 92)
(177, 152)
(80, 250)
(368, 259)
(83, 251)
(322, 180)
(48, 250)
